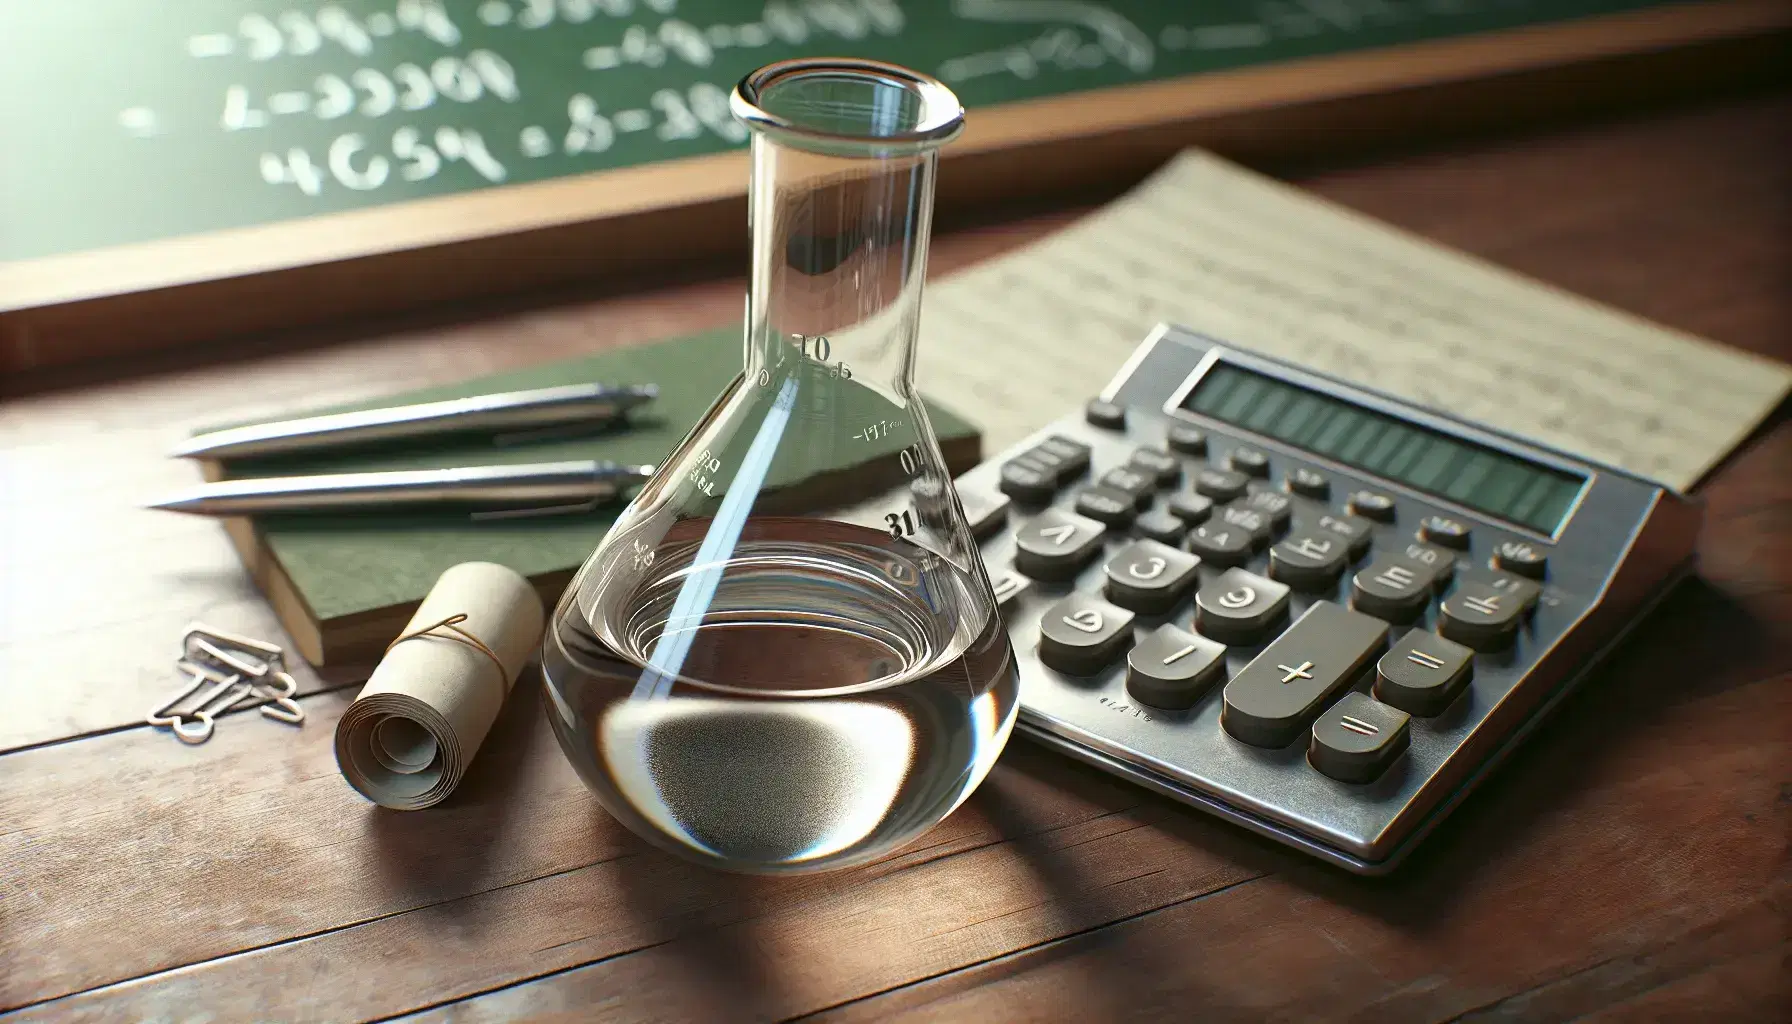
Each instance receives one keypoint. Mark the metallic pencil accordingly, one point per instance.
(487, 491)
(506, 411)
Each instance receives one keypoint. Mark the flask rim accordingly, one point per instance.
(939, 120)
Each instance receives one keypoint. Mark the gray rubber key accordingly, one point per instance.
(1220, 545)
(1239, 515)
(1278, 507)
(1149, 576)
(1423, 673)
(1058, 464)
(1187, 440)
(1074, 453)
(1113, 507)
(1166, 467)
(1275, 698)
(1137, 481)
(1309, 559)
(1358, 738)
(1161, 526)
(1356, 531)
(1522, 557)
(1082, 634)
(1221, 484)
(1393, 587)
(1172, 668)
(1485, 608)
(1190, 507)
(1240, 607)
(1028, 480)
(1056, 544)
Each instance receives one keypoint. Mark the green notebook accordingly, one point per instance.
(344, 586)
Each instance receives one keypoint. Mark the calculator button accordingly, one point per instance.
(1484, 610)
(986, 513)
(1220, 544)
(1278, 507)
(1356, 532)
(1191, 508)
(1137, 484)
(1526, 591)
(1028, 482)
(1221, 484)
(1309, 484)
(1371, 505)
(1451, 533)
(1161, 526)
(1392, 588)
(1423, 673)
(1522, 558)
(1240, 515)
(1107, 505)
(1075, 452)
(1173, 668)
(1008, 585)
(1358, 738)
(1249, 460)
(1060, 466)
(1440, 561)
(1275, 698)
(1082, 634)
(1187, 440)
(1239, 607)
(1166, 467)
(1150, 577)
(1055, 544)
(1105, 414)
(1309, 560)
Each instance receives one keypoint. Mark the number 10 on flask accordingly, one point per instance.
(785, 655)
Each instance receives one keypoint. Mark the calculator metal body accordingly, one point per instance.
(1620, 548)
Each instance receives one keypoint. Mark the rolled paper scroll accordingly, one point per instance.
(407, 739)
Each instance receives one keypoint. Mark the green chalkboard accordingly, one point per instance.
(133, 120)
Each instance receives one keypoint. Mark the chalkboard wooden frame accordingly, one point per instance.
(635, 221)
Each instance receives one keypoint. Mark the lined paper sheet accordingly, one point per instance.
(1022, 339)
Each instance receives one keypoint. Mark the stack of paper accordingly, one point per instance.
(1020, 340)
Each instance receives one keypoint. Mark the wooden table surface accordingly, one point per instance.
(1631, 862)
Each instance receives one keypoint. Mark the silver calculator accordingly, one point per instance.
(1316, 611)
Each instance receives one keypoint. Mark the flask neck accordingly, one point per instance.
(839, 256)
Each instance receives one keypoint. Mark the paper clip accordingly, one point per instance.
(198, 725)
(236, 666)
(268, 653)
(260, 671)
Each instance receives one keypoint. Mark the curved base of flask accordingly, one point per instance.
(815, 717)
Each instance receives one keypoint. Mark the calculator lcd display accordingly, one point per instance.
(1501, 485)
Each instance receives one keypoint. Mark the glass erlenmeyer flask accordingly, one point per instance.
(786, 654)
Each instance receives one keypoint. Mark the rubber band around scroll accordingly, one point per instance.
(460, 636)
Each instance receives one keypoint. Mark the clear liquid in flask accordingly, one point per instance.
(823, 714)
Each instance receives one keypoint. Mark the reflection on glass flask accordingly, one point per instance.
(786, 655)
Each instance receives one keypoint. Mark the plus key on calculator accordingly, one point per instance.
(1320, 594)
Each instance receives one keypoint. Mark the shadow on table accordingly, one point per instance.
(710, 964)
(458, 846)
(1117, 978)
(1503, 842)
(1699, 642)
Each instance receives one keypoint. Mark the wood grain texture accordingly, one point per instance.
(126, 298)
(1630, 863)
